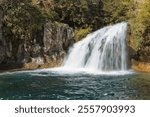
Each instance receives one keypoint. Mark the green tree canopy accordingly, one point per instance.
(21, 17)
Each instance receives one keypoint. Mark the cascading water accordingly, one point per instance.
(103, 50)
(95, 69)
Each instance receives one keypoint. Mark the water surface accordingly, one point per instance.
(55, 84)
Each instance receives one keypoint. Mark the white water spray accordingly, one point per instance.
(103, 50)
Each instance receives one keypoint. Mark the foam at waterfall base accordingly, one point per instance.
(64, 71)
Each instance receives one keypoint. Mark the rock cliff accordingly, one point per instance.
(46, 48)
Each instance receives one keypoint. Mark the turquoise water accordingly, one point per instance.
(51, 84)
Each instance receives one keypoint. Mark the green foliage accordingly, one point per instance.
(24, 17)
(80, 12)
(141, 25)
(82, 32)
(46, 7)
(117, 10)
(21, 18)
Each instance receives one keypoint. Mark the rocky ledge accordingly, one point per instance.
(46, 49)
(141, 66)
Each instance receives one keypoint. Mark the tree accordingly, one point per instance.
(140, 25)
(117, 10)
(80, 13)
(21, 18)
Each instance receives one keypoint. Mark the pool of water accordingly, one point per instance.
(48, 84)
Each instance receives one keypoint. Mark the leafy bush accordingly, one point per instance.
(82, 32)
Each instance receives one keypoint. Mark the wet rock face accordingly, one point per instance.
(1, 40)
(46, 48)
(57, 37)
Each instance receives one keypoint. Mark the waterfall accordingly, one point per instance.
(103, 50)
